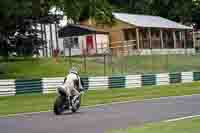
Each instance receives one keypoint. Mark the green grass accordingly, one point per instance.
(36, 68)
(163, 63)
(183, 126)
(38, 102)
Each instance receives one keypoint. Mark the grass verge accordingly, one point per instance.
(183, 126)
(28, 68)
(39, 102)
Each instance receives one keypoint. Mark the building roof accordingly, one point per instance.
(149, 21)
(78, 30)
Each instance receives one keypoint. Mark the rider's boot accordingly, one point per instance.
(70, 102)
(75, 101)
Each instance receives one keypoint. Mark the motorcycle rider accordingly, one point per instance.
(72, 83)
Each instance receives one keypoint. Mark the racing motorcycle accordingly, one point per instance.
(63, 102)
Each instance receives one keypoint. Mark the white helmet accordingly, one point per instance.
(73, 70)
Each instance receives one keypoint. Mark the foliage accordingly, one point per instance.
(196, 13)
(184, 11)
(19, 16)
(77, 10)
(16, 25)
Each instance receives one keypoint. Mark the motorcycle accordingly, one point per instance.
(63, 102)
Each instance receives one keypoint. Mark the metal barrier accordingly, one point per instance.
(48, 85)
(7, 87)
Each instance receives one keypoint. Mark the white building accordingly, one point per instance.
(87, 40)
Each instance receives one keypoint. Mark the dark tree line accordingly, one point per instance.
(18, 18)
(184, 11)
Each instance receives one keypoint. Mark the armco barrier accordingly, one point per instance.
(187, 77)
(98, 82)
(196, 76)
(28, 86)
(117, 82)
(175, 78)
(162, 79)
(133, 81)
(148, 80)
(48, 85)
(7, 87)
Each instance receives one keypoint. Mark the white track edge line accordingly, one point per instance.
(182, 118)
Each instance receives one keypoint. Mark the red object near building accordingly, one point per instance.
(89, 42)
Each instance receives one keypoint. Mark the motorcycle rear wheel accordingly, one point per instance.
(59, 105)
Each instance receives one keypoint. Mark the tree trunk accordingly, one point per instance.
(45, 38)
(36, 8)
(4, 46)
(5, 50)
(51, 40)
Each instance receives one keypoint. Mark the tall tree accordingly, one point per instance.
(178, 10)
(82, 9)
(196, 13)
(12, 14)
(20, 15)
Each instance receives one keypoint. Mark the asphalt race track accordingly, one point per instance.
(102, 118)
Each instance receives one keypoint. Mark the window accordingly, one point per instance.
(71, 42)
(76, 44)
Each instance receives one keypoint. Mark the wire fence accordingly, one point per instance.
(127, 59)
